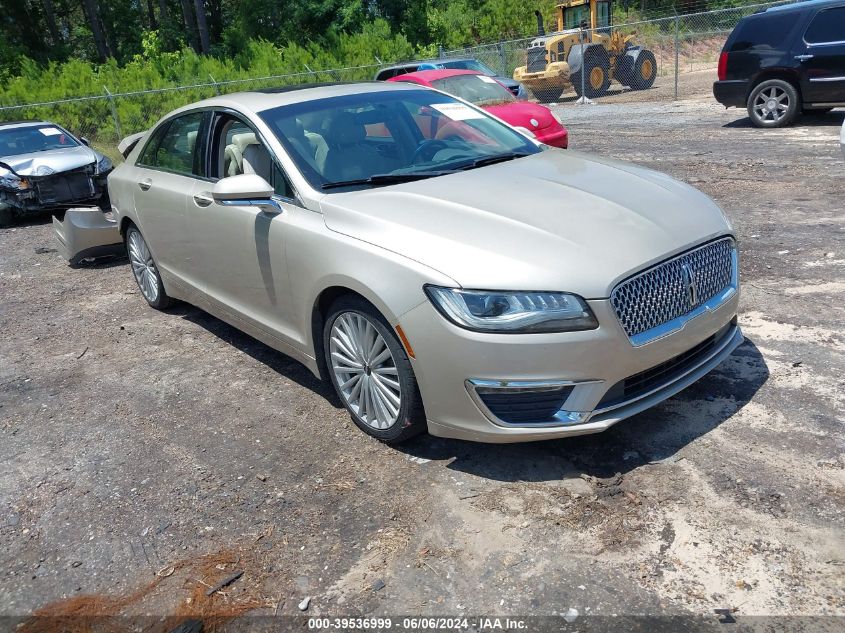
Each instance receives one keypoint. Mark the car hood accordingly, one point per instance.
(557, 220)
(520, 113)
(55, 160)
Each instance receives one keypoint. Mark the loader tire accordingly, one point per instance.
(547, 95)
(644, 71)
(597, 78)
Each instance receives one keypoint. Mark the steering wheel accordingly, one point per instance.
(427, 149)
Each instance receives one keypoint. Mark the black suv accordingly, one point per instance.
(785, 60)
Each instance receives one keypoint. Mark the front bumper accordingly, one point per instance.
(732, 92)
(87, 233)
(452, 362)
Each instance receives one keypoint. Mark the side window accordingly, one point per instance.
(177, 149)
(763, 32)
(281, 184)
(150, 148)
(238, 150)
(828, 26)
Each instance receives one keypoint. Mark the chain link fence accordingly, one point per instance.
(684, 51)
(668, 58)
(105, 119)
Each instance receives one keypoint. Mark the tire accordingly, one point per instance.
(547, 95)
(349, 328)
(644, 71)
(773, 103)
(7, 216)
(597, 79)
(144, 269)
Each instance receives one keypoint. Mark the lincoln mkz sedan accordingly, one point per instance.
(484, 287)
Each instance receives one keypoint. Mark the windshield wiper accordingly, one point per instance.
(492, 160)
(386, 179)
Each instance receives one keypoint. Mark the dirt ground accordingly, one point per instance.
(149, 455)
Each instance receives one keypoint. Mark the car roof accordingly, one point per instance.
(267, 98)
(433, 75)
(800, 6)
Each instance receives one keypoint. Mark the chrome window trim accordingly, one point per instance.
(679, 323)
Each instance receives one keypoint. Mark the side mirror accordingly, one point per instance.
(85, 141)
(245, 190)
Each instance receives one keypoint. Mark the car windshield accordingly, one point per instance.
(478, 89)
(468, 64)
(34, 138)
(386, 137)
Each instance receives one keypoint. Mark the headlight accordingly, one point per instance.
(104, 164)
(512, 312)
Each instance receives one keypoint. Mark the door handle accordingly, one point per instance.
(803, 58)
(145, 184)
(203, 199)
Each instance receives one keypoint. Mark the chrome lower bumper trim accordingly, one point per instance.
(561, 418)
(564, 418)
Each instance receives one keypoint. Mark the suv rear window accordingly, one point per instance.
(764, 32)
(827, 26)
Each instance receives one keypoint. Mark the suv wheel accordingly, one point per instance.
(773, 103)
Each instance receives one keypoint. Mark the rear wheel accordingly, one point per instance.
(644, 71)
(371, 372)
(773, 103)
(145, 270)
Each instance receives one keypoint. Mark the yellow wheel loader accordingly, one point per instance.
(556, 61)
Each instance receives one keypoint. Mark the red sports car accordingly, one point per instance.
(489, 94)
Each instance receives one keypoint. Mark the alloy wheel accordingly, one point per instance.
(365, 371)
(143, 266)
(771, 104)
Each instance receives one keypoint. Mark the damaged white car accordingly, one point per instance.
(45, 167)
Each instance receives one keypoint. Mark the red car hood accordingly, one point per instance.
(520, 113)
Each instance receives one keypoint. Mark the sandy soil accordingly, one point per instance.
(147, 455)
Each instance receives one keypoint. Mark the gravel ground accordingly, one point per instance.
(148, 455)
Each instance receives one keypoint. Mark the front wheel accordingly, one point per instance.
(144, 269)
(371, 372)
(773, 103)
(597, 80)
(7, 215)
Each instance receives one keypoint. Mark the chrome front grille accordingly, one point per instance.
(674, 289)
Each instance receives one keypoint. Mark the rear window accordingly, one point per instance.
(827, 26)
(762, 33)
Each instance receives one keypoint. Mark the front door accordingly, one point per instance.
(242, 254)
(822, 57)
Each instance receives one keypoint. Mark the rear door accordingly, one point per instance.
(164, 178)
(821, 52)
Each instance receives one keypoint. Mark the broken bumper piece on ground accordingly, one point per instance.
(87, 233)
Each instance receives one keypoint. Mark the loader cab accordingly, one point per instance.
(594, 14)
